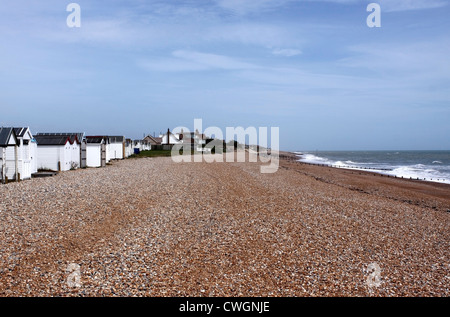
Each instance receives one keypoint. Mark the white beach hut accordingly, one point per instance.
(58, 151)
(115, 149)
(137, 144)
(96, 151)
(9, 145)
(27, 152)
(146, 146)
(128, 147)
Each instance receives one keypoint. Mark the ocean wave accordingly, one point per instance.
(311, 158)
(314, 159)
(436, 172)
(421, 172)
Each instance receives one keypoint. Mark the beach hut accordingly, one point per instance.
(27, 163)
(128, 147)
(9, 154)
(146, 146)
(115, 149)
(96, 151)
(58, 151)
(137, 146)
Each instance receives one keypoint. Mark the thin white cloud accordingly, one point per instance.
(169, 65)
(396, 5)
(242, 7)
(286, 52)
(212, 61)
(255, 33)
(406, 5)
(186, 60)
(420, 58)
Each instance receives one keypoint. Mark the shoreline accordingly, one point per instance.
(295, 156)
(428, 194)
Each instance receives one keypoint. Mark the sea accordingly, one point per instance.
(431, 166)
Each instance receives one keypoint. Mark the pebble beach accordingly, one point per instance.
(153, 227)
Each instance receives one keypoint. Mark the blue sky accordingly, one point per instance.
(312, 68)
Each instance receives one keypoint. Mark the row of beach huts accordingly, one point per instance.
(24, 155)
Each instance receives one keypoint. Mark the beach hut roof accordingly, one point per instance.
(73, 136)
(52, 139)
(116, 138)
(5, 135)
(96, 139)
(20, 132)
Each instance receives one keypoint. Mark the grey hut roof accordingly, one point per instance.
(20, 132)
(116, 139)
(91, 139)
(52, 139)
(73, 137)
(5, 135)
(80, 135)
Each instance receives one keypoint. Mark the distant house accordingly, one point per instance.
(168, 140)
(196, 140)
(9, 145)
(153, 141)
(58, 151)
(96, 151)
(115, 149)
(27, 152)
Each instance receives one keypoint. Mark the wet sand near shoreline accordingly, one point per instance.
(421, 193)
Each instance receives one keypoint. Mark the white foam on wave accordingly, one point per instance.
(311, 158)
(421, 172)
(416, 171)
(314, 159)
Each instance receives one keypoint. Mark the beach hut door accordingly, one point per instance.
(103, 155)
(83, 155)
